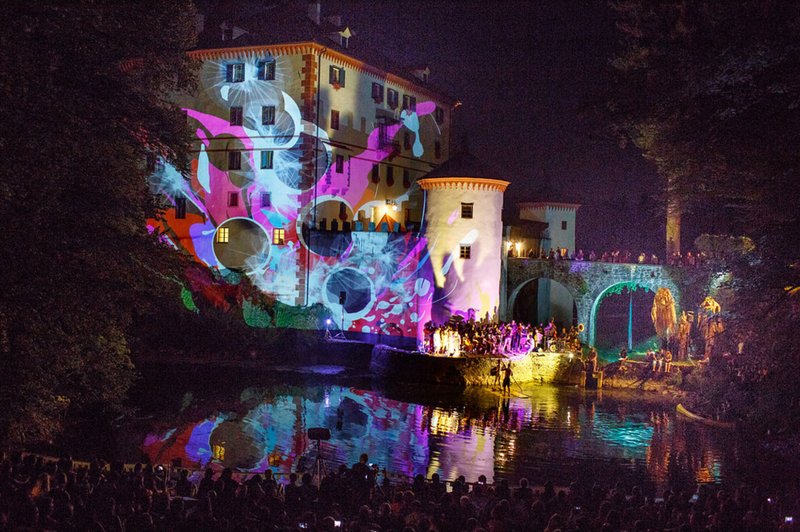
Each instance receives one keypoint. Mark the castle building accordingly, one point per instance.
(308, 152)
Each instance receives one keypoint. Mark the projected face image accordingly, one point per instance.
(265, 179)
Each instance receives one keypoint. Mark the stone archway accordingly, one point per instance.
(591, 323)
(550, 299)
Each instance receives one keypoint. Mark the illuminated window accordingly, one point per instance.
(406, 178)
(180, 208)
(233, 199)
(278, 237)
(227, 34)
(266, 70)
(392, 97)
(268, 115)
(466, 210)
(266, 159)
(336, 76)
(234, 73)
(390, 176)
(266, 199)
(464, 252)
(223, 235)
(407, 140)
(344, 41)
(377, 92)
(438, 115)
(563, 225)
(339, 164)
(409, 102)
(218, 452)
(234, 160)
(236, 116)
(334, 119)
(437, 149)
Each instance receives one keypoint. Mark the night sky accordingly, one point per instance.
(525, 72)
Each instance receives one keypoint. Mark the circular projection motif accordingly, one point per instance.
(349, 285)
(329, 238)
(241, 244)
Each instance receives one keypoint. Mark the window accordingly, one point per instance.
(180, 208)
(236, 116)
(223, 235)
(438, 115)
(383, 134)
(563, 225)
(234, 160)
(266, 199)
(334, 119)
(266, 69)
(336, 76)
(466, 210)
(342, 211)
(437, 149)
(409, 102)
(406, 178)
(278, 237)
(376, 174)
(266, 159)
(344, 41)
(392, 98)
(390, 176)
(227, 34)
(234, 73)
(339, 164)
(407, 140)
(268, 115)
(233, 199)
(464, 252)
(377, 92)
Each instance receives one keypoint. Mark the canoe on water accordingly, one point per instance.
(705, 420)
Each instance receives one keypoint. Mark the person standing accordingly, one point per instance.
(507, 373)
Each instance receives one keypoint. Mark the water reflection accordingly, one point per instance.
(556, 433)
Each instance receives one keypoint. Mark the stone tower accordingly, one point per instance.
(463, 226)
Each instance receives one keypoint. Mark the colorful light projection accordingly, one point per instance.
(262, 177)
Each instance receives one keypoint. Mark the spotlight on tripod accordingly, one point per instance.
(319, 434)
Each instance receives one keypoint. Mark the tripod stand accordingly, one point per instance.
(318, 470)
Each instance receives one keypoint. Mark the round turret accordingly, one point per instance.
(464, 228)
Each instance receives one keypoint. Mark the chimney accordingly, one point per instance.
(315, 11)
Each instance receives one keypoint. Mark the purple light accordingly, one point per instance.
(328, 322)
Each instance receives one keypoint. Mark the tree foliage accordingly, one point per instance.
(710, 93)
(84, 95)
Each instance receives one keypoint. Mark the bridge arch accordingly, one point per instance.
(514, 299)
(587, 282)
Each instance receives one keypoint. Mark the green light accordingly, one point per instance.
(188, 300)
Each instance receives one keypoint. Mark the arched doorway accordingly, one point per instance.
(538, 300)
(620, 317)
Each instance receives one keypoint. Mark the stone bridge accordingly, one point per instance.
(586, 281)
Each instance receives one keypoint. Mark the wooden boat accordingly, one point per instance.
(704, 420)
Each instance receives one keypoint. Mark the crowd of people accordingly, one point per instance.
(36, 494)
(616, 256)
(459, 337)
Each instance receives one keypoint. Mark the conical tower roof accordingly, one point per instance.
(463, 169)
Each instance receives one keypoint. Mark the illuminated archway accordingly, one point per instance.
(626, 287)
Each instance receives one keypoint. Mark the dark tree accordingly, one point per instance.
(84, 97)
(710, 93)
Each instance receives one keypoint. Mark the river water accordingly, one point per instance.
(541, 433)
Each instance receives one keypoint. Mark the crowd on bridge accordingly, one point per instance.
(459, 337)
(616, 256)
(36, 494)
